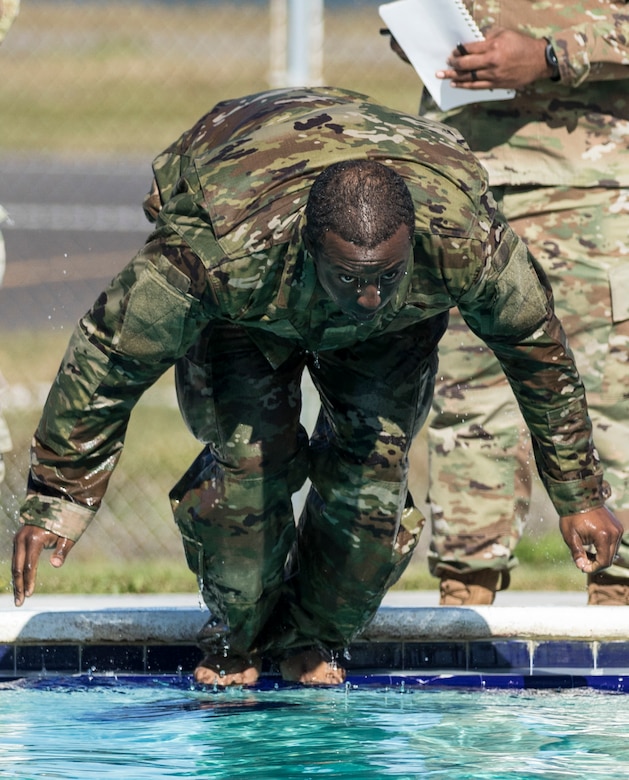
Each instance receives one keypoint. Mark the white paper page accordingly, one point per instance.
(428, 31)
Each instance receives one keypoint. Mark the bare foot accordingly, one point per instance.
(231, 670)
(311, 668)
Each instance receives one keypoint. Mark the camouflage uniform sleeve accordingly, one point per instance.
(510, 307)
(139, 326)
(595, 47)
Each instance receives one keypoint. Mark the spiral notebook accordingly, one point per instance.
(428, 31)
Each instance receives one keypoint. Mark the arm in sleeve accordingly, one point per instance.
(139, 326)
(511, 309)
(595, 46)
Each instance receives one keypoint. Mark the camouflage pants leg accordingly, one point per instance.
(233, 506)
(478, 483)
(359, 527)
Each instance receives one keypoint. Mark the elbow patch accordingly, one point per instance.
(524, 299)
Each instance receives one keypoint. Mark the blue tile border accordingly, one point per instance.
(540, 645)
(404, 683)
(500, 663)
(567, 655)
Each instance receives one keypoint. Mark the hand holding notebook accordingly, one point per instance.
(428, 31)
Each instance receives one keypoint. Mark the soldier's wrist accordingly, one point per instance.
(551, 61)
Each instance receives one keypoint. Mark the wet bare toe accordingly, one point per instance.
(230, 670)
(311, 668)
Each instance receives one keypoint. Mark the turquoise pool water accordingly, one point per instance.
(164, 730)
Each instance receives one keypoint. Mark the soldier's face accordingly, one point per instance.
(362, 281)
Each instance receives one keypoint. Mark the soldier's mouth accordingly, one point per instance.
(362, 316)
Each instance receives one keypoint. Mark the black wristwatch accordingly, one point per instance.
(552, 61)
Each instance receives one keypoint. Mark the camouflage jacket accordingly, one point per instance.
(228, 246)
(573, 132)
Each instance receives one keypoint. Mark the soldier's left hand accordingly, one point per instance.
(505, 59)
(593, 538)
(28, 544)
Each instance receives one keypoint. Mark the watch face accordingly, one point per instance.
(552, 61)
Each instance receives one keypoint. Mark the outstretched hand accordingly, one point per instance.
(28, 544)
(593, 538)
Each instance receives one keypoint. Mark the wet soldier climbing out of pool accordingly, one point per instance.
(305, 229)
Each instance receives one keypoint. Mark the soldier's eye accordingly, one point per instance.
(347, 279)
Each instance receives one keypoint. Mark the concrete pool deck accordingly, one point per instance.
(527, 639)
(403, 616)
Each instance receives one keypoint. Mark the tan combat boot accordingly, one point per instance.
(470, 589)
(607, 591)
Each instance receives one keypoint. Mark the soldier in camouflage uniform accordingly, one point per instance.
(558, 165)
(305, 229)
(8, 11)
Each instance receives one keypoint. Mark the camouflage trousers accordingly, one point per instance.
(479, 457)
(275, 584)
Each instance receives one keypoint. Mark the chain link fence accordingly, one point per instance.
(90, 92)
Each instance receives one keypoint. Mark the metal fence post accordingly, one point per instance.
(296, 37)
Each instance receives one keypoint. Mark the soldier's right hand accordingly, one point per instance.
(28, 544)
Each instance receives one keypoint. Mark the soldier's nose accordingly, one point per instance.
(369, 297)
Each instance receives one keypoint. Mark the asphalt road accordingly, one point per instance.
(73, 225)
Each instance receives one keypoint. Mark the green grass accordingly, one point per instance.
(544, 566)
(127, 78)
(141, 576)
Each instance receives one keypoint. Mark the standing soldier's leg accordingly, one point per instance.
(581, 237)
(479, 482)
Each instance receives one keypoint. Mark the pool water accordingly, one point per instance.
(166, 730)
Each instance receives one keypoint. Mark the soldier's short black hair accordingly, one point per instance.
(362, 201)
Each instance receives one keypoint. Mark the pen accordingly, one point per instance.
(461, 49)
